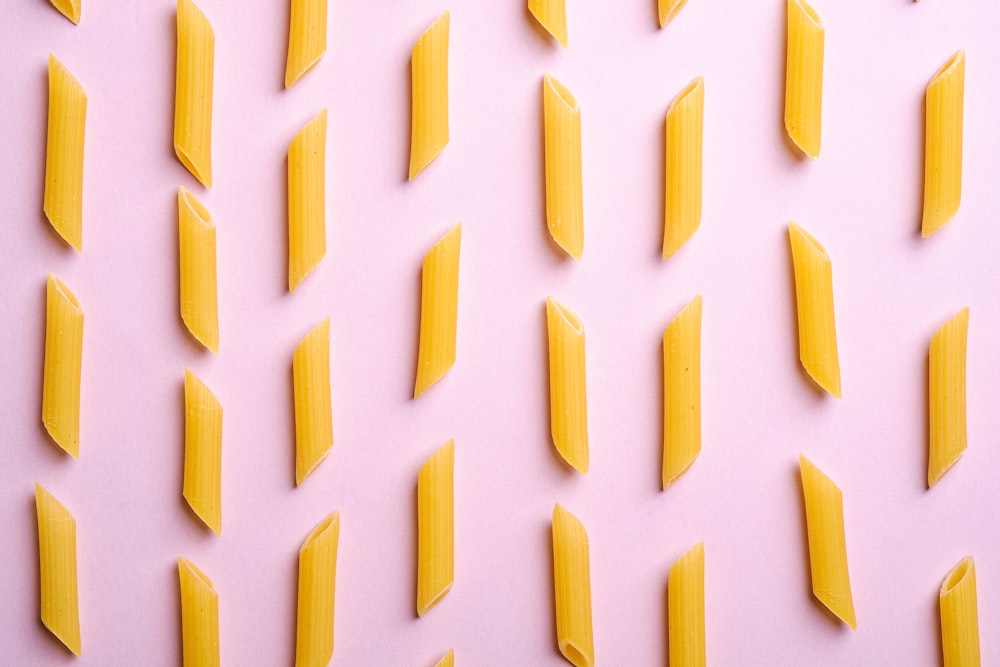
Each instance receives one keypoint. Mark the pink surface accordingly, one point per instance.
(742, 496)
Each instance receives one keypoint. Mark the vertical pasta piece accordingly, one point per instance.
(667, 9)
(311, 387)
(945, 99)
(62, 200)
(686, 609)
(57, 569)
(435, 527)
(193, 96)
(946, 389)
(429, 111)
(827, 546)
(563, 166)
(202, 452)
(198, 282)
(681, 391)
(551, 15)
(814, 305)
(960, 616)
(317, 587)
(448, 660)
(306, 200)
(438, 310)
(68, 8)
(306, 38)
(61, 371)
(199, 617)
(804, 77)
(568, 385)
(571, 575)
(682, 167)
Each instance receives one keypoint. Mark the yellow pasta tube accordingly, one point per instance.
(429, 114)
(306, 200)
(946, 389)
(571, 575)
(68, 8)
(61, 371)
(62, 200)
(944, 102)
(827, 546)
(193, 96)
(567, 385)
(563, 166)
(551, 15)
(686, 609)
(960, 616)
(814, 304)
(57, 569)
(448, 660)
(317, 586)
(438, 310)
(199, 617)
(306, 38)
(804, 77)
(682, 168)
(311, 387)
(667, 9)
(203, 452)
(682, 391)
(435, 527)
(198, 284)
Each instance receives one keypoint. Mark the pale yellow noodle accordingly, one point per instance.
(429, 112)
(563, 166)
(193, 97)
(203, 452)
(686, 609)
(960, 616)
(448, 660)
(682, 167)
(306, 38)
(68, 8)
(804, 77)
(567, 385)
(946, 396)
(57, 569)
(62, 200)
(61, 370)
(551, 15)
(435, 527)
(438, 310)
(306, 200)
(198, 281)
(945, 101)
(667, 10)
(311, 387)
(317, 588)
(199, 617)
(571, 576)
(681, 391)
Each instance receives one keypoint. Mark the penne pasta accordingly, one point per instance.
(946, 389)
(429, 69)
(551, 15)
(563, 166)
(317, 586)
(61, 370)
(804, 77)
(682, 167)
(827, 546)
(814, 304)
(681, 391)
(686, 609)
(193, 96)
(62, 200)
(667, 9)
(306, 200)
(945, 99)
(567, 385)
(571, 576)
(68, 8)
(960, 616)
(311, 387)
(198, 283)
(438, 310)
(448, 660)
(199, 617)
(202, 452)
(435, 527)
(306, 38)
(57, 569)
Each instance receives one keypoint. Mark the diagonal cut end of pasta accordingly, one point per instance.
(563, 166)
(68, 8)
(686, 608)
(435, 527)
(947, 397)
(193, 96)
(57, 569)
(306, 38)
(571, 576)
(438, 310)
(681, 392)
(448, 660)
(62, 366)
(62, 199)
(944, 102)
(804, 77)
(202, 452)
(568, 385)
(311, 388)
(199, 301)
(551, 15)
(317, 591)
(429, 111)
(960, 616)
(199, 616)
(683, 166)
(667, 9)
(306, 200)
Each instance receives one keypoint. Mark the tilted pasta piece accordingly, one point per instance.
(814, 305)
(311, 387)
(681, 391)
(568, 384)
(57, 569)
(198, 282)
(61, 371)
(960, 616)
(438, 310)
(667, 10)
(306, 200)
(68, 8)
(563, 166)
(306, 38)
(203, 452)
(682, 168)
(686, 609)
(435, 527)
(571, 576)
(429, 111)
(448, 660)
(551, 15)
(804, 77)
(62, 200)
(193, 96)
(317, 587)
(946, 389)
(827, 546)
(945, 99)
(199, 617)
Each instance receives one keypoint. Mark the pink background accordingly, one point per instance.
(742, 496)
